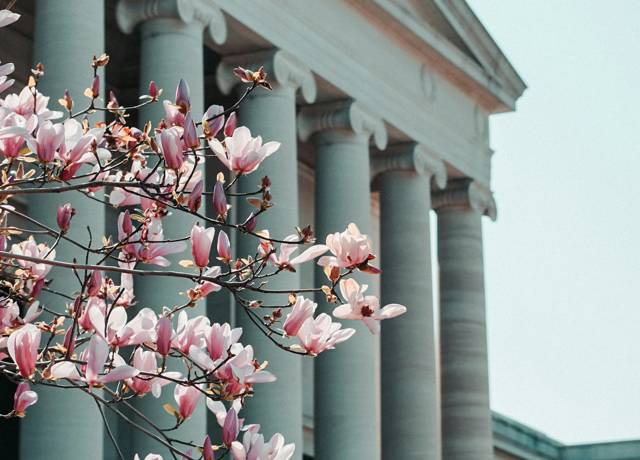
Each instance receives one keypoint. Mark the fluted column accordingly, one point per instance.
(67, 34)
(466, 416)
(410, 411)
(346, 421)
(272, 115)
(172, 34)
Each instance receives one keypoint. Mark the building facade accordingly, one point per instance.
(382, 108)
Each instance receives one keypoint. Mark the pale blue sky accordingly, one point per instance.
(563, 260)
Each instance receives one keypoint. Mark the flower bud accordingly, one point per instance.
(65, 213)
(190, 135)
(195, 198)
(95, 87)
(220, 200)
(182, 96)
(164, 332)
(153, 90)
(223, 247)
(207, 449)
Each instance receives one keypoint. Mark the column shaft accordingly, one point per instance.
(68, 33)
(345, 403)
(170, 50)
(410, 412)
(466, 417)
(272, 115)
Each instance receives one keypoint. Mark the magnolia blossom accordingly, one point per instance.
(149, 457)
(187, 398)
(254, 447)
(30, 248)
(220, 411)
(282, 259)
(23, 398)
(164, 334)
(349, 248)
(301, 310)
(171, 148)
(48, 140)
(242, 153)
(23, 104)
(365, 308)
(23, 348)
(201, 240)
(190, 332)
(223, 247)
(118, 332)
(64, 215)
(220, 200)
(145, 361)
(319, 334)
(95, 356)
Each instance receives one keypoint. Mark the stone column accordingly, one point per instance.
(410, 411)
(346, 421)
(172, 35)
(272, 115)
(466, 416)
(67, 34)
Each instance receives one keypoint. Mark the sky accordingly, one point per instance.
(563, 260)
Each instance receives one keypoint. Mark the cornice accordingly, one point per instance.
(341, 115)
(466, 194)
(282, 70)
(130, 13)
(410, 157)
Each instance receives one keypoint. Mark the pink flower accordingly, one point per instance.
(190, 135)
(224, 247)
(365, 308)
(187, 398)
(182, 96)
(119, 332)
(231, 427)
(349, 248)
(30, 248)
(23, 348)
(149, 457)
(201, 240)
(242, 153)
(48, 141)
(145, 361)
(319, 334)
(253, 447)
(164, 333)
(65, 213)
(207, 448)
(190, 332)
(23, 398)
(95, 356)
(282, 259)
(220, 200)
(171, 148)
(195, 197)
(212, 121)
(153, 90)
(302, 309)
(153, 250)
(219, 338)
(230, 125)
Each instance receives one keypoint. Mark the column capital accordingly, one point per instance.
(411, 157)
(346, 115)
(466, 193)
(282, 69)
(130, 13)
